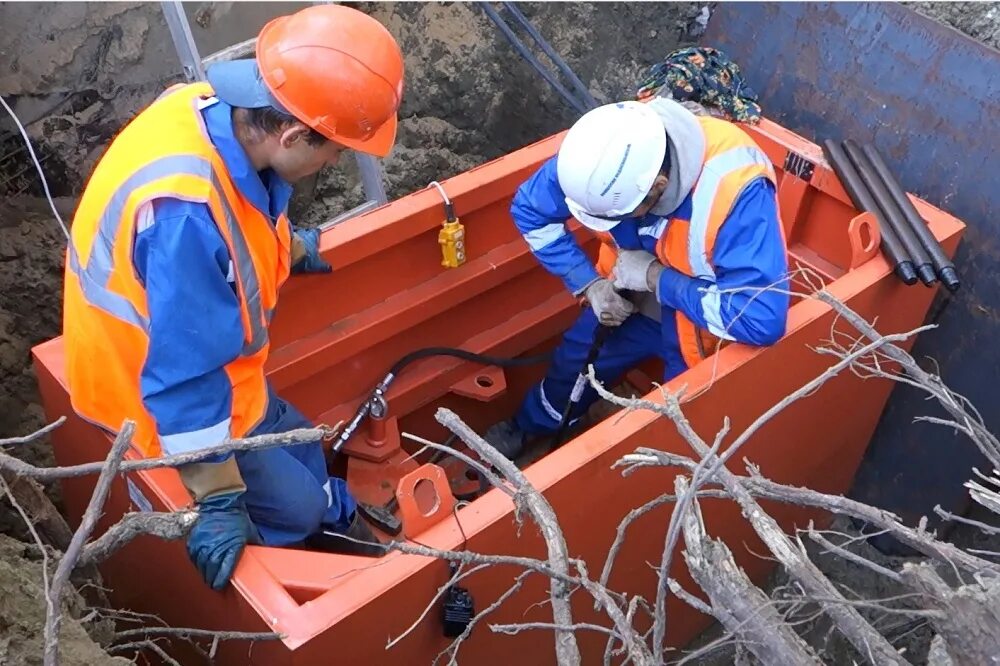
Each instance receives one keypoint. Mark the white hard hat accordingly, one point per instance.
(608, 161)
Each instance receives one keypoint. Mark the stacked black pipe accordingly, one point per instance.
(906, 239)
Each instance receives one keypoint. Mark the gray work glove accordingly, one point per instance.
(636, 270)
(610, 307)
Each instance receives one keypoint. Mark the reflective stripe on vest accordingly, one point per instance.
(702, 201)
(95, 275)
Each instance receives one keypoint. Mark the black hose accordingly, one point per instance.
(527, 55)
(581, 89)
(942, 264)
(893, 216)
(454, 352)
(378, 393)
(862, 199)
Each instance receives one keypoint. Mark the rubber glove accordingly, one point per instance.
(305, 253)
(220, 533)
(636, 270)
(610, 307)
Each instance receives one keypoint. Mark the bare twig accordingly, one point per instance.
(567, 651)
(199, 633)
(861, 634)
(72, 554)
(512, 629)
(146, 645)
(49, 608)
(35, 436)
(453, 579)
(258, 443)
(630, 518)
(166, 526)
(452, 650)
(677, 518)
(853, 557)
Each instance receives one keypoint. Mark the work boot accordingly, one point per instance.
(359, 529)
(506, 438)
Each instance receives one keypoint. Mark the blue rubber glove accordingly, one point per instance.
(218, 537)
(312, 262)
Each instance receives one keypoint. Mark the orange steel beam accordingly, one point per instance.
(435, 376)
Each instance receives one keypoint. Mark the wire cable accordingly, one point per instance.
(38, 165)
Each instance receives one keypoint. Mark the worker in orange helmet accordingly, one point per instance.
(179, 247)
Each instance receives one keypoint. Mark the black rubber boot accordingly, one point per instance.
(506, 438)
(332, 543)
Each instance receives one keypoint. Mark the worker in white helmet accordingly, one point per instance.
(687, 213)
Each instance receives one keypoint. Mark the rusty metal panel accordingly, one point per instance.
(929, 98)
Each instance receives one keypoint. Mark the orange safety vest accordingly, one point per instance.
(165, 151)
(731, 161)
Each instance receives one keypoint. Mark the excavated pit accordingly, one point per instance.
(75, 73)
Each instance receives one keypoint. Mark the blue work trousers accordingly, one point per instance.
(638, 338)
(289, 493)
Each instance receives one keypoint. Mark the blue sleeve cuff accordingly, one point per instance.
(671, 288)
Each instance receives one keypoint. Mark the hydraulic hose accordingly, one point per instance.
(377, 396)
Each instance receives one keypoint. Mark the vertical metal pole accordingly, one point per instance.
(369, 167)
(180, 31)
(371, 178)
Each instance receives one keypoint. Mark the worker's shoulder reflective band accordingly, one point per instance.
(544, 236)
(95, 275)
(705, 191)
(247, 276)
(714, 172)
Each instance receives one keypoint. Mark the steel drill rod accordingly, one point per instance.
(862, 198)
(907, 237)
(942, 264)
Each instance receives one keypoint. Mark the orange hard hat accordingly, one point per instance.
(337, 70)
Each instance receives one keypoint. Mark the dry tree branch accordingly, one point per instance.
(166, 526)
(35, 436)
(742, 608)
(38, 541)
(968, 618)
(513, 629)
(861, 634)
(677, 518)
(567, 650)
(947, 515)
(143, 645)
(258, 443)
(956, 405)
(834, 549)
(764, 488)
(199, 633)
(69, 559)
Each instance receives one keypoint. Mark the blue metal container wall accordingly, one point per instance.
(929, 98)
